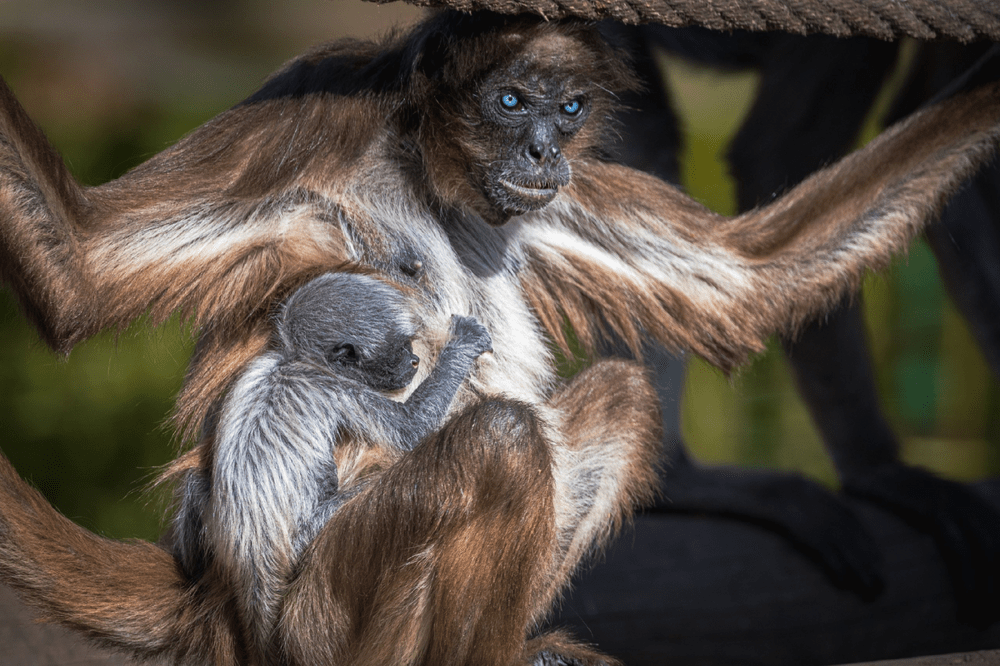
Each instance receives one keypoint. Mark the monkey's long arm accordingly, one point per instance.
(424, 411)
(210, 227)
(624, 250)
(126, 595)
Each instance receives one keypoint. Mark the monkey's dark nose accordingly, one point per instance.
(542, 152)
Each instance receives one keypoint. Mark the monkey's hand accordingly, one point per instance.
(469, 333)
(428, 405)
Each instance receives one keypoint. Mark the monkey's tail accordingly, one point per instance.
(128, 596)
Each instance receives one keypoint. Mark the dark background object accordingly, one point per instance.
(700, 591)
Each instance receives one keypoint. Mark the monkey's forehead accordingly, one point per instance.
(535, 83)
(555, 50)
(550, 63)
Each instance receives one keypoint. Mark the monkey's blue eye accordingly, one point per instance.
(510, 101)
(571, 108)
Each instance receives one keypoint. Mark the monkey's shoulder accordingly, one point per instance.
(277, 382)
(347, 67)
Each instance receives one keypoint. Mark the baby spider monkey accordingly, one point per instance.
(304, 424)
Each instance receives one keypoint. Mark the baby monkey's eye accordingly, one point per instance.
(572, 108)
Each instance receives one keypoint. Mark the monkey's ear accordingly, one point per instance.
(345, 353)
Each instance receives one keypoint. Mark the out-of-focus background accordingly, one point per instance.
(112, 83)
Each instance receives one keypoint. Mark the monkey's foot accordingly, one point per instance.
(965, 528)
(811, 518)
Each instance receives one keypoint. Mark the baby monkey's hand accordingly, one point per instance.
(468, 332)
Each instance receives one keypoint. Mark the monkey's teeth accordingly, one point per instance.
(529, 192)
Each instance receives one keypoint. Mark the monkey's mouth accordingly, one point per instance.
(533, 195)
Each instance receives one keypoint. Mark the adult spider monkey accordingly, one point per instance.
(462, 161)
(814, 95)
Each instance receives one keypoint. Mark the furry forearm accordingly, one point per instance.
(429, 403)
(634, 250)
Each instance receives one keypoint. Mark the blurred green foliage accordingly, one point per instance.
(90, 431)
(936, 389)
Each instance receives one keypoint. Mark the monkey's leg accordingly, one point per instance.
(823, 89)
(455, 551)
(844, 405)
(443, 559)
(966, 244)
(814, 95)
(966, 240)
(608, 464)
(130, 596)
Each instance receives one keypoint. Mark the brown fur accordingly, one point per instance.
(142, 599)
(421, 574)
(367, 158)
(415, 570)
(406, 572)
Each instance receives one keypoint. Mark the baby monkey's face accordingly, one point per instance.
(388, 367)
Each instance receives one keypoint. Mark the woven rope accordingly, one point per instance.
(963, 20)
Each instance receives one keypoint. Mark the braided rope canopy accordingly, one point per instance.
(962, 20)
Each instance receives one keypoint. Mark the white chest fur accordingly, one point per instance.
(468, 268)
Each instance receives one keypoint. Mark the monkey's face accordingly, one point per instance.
(505, 111)
(388, 367)
(359, 327)
(529, 118)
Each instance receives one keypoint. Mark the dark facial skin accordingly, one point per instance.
(389, 368)
(530, 119)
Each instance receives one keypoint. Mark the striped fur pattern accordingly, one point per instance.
(363, 158)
